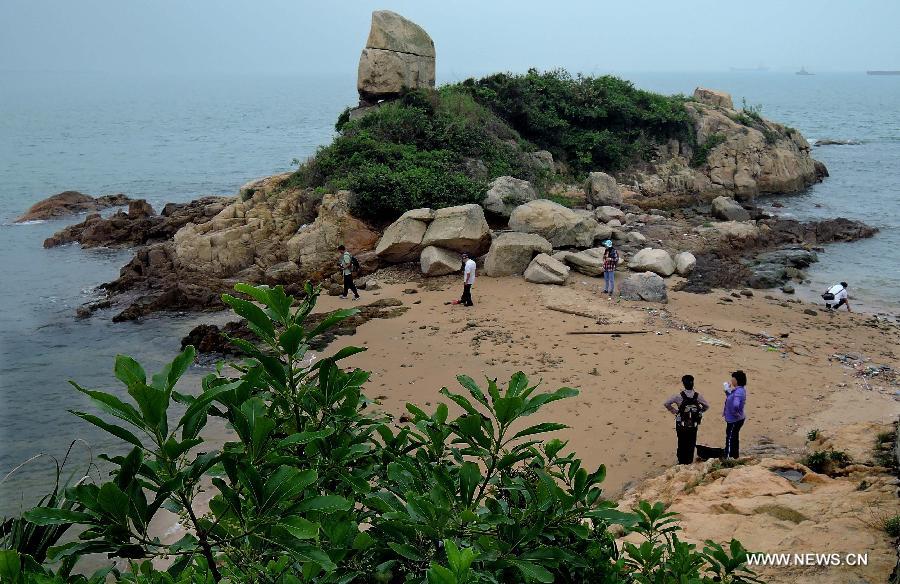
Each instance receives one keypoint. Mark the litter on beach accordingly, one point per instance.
(713, 341)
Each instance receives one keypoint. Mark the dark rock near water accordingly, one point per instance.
(70, 203)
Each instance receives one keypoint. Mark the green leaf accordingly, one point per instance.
(57, 516)
(305, 437)
(291, 338)
(152, 402)
(473, 388)
(253, 313)
(112, 405)
(113, 501)
(540, 429)
(325, 504)
(116, 431)
(300, 528)
(129, 371)
(180, 364)
(10, 565)
(507, 408)
(407, 551)
(438, 574)
(331, 320)
(533, 571)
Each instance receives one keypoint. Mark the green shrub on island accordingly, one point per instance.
(316, 487)
(436, 148)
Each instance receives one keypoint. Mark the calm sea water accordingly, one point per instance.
(179, 138)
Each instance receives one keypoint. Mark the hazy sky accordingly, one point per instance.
(297, 36)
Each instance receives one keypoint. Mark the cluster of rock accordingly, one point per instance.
(71, 203)
(399, 55)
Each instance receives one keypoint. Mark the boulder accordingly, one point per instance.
(606, 213)
(511, 253)
(543, 269)
(713, 97)
(506, 193)
(728, 209)
(685, 262)
(559, 225)
(399, 55)
(462, 228)
(70, 203)
(588, 262)
(657, 261)
(541, 161)
(437, 261)
(284, 272)
(602, 189)
(645, 286)
(402, 240)
(735, 230)
(635, 237)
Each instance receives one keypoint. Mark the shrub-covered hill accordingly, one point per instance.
(441, 147)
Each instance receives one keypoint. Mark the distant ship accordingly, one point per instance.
(882, 72)
(803, 71)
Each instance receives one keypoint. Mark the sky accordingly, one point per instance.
(471, 37)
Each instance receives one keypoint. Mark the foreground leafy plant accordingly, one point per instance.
(316, 488)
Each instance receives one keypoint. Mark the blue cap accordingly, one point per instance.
(607, 243)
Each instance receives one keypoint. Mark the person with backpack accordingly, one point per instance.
(610, 261)
(687, 407)
(836, 296)
(348, 265)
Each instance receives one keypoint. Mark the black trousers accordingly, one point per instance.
(687, 442)
(466, 298)
(349, 285)
(733, 438)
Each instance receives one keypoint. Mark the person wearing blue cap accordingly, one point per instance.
(610, 261)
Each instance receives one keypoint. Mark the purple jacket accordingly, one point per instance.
(734, 405)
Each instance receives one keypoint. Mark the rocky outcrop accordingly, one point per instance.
(588, 262)
(713, 97)
(657, 261)
(728, 209)
(437, 261)
(543, 269)
(607, 213)
(402, 240)
(506, 193)
(561, 226)
(648, 287)
(139, 226)
(774, 268)
(541, 161)
(511, 253)
(462, 228)
(399, 55)
(70, 203)
(685, 262)
(602, 189)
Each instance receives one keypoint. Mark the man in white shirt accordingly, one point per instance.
(838, 296)
(468, 280)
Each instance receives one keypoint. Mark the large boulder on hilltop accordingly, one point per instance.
(512, 252)
(314, 247)
(543, 269)
(399, 56)
(602, 189)
(437, 261)
(506, 193)
(402, 240)
(728, 209)
(657, 261)
(462, 228)
(685, 262)
(70, 203)
(713, 97)
(646, 286)
(559, 225)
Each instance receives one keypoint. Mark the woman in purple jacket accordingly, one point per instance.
(735, 398)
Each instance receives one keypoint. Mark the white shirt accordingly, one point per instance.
(469, 272)
(840, 293)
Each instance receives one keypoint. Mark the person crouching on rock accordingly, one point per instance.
(610, 261)
(836, 296)
(687, 407)
(468, 280)
(735, 399)
(347, 263)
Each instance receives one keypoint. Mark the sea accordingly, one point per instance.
(172, 139)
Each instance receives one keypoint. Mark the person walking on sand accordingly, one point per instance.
(687, 407)
(347, 263)
(468, 280)
(733, 412)
(610, 261)
(836, 296)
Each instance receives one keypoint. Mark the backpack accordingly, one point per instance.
(829, 295)
(690, 411)
(354, 264)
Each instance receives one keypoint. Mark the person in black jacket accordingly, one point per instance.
(687, 407)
